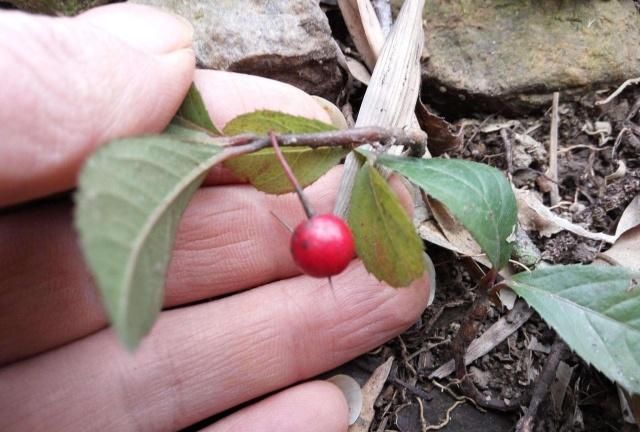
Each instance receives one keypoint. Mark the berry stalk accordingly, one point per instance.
(292, 178)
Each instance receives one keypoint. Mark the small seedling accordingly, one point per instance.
(323, 245)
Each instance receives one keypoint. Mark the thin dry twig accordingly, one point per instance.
(471, 323)
(620, 89)
(558, 349)
(416, 391)
(423, 421)
(553, 150)
(508, 153)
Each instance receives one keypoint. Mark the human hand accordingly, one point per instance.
(70, 85)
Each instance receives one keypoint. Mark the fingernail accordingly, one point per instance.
(352, 393)
(146, 28)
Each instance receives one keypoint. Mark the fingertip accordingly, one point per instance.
(229, 94)
(336, 406)
(315, 406)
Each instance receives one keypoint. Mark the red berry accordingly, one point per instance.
(322, 246)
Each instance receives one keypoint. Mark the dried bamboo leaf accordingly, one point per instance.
(393, 90)
(391, 97)
(355, 21)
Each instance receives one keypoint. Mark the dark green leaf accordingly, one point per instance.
(478, 195)
(595, 309)
(263, 170)
(131, 195)
(262, 122)
(385, 237)
(194, 112)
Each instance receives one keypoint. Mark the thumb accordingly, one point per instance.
(72, 84)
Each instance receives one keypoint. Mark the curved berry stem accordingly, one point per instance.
(292, 178)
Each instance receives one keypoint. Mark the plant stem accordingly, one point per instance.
(291, 176)
(243, 144)
(558, 350)
(341, 138)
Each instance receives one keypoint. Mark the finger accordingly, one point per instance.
(73, 84)
(204, 359)
(228, 95)
(228, 240)
(311, 407)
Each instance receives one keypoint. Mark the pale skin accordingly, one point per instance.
(71, 85)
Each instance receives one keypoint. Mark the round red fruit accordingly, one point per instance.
(322, 246)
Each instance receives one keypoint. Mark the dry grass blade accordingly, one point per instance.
(395, 82)
(364, 28)
(553, 150)
(391, 97)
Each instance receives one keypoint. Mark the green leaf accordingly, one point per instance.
(478, 195)
(194, 112)
(131, 195)
(595, 309)
(264, 121)
(188, 134)
(263, 170)
(385, 238)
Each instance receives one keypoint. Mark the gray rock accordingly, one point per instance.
(287, 40)
(510, 55)
(56, 7)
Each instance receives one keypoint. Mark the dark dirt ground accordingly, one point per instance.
(591, 194)
(510, 370)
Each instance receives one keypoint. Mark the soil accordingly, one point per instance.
(598, 175)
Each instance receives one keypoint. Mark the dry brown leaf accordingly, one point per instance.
(358, 70)
(559, 386)
(452, 229)
(507, 296)
(364, 29)
(630, 217)
(441, 133)
(629, 405)
(497, 333)
(430, 232)
(626, 250)
(372, 28)
(533, 215)
(370, 392)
